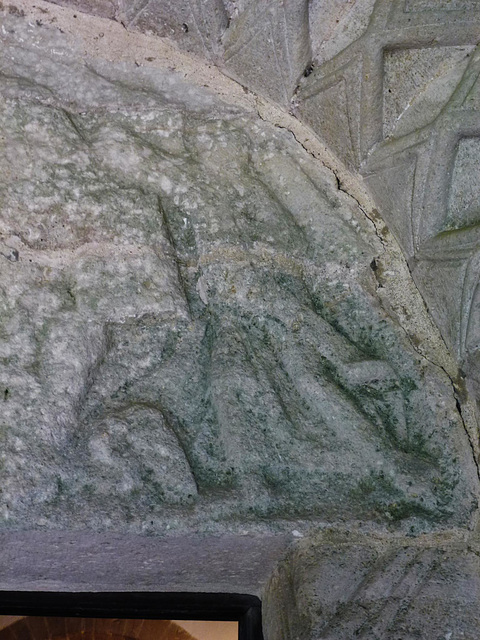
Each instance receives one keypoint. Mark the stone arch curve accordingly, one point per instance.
(217, 371)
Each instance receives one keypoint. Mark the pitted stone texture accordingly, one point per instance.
(412, 6)
(350, 586)
(335, 24)
(417, 84)
(431, 171)
(102, 8)
(191, 337)
(392, 79)
(267, 46)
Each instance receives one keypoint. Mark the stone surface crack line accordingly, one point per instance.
(454, 384)
(384, 243)
(326, 166)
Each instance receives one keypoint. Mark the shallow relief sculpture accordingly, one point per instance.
(193, 333)
(191, 337)
(391, 87)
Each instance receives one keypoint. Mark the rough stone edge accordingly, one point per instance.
(282, 608)
(108, 40)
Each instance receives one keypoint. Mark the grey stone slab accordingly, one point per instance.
(192, 340)
(334, 25)
(82, 561)
(418, 83)
(197, 26)
(102, 8)
(347, 586)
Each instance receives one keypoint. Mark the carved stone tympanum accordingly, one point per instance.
(210, 338)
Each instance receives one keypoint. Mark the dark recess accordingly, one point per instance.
(246, 609)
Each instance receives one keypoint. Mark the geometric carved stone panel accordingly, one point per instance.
(417, 84)
(347, 585)
(464, 196)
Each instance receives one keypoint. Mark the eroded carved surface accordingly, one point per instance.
(413, 135)
(198, 332)
(191, 336)
(268, 47)
(392, 88)
(345, 585)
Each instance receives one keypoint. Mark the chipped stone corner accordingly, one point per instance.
(345, 583)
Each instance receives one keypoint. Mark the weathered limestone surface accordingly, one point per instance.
(343, 585)
(401, 105)
(209, 336)
(392, 87)
(190, 334)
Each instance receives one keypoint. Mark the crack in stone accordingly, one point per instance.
(385, 245)
(388, 249)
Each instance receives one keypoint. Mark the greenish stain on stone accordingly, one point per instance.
(201, 344)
